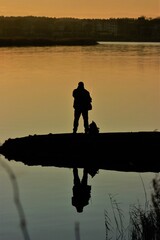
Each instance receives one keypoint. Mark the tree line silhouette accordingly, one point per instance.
(57, 29)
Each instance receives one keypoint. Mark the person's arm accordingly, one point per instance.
(74, 93)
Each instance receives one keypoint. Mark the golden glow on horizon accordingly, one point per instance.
(81, 9)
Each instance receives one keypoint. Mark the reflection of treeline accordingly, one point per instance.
(119, 29)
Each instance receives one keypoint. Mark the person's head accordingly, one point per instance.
(81, 85)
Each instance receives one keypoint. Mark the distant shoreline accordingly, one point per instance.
(45, 42)
(50, 42)
(43, 31)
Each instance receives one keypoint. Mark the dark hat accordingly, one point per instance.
(79, 209)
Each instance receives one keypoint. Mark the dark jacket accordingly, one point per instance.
(82, 99)
(81, 196)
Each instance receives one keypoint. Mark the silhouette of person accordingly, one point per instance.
(81, 105)
(81, 191)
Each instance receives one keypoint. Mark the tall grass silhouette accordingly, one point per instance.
(16, 197)
(144, 222)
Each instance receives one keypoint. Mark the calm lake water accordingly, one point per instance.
(36, 98)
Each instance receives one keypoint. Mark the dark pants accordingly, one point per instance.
(81, 191)
(77, 181)
(77, 114)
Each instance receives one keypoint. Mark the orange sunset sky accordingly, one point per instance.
(81, 8)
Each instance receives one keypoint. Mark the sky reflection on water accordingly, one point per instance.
(46, 194)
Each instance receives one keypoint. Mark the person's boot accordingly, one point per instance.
(74, 131)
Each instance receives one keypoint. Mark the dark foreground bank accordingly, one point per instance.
(122, 151)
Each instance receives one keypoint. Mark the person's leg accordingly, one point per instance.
(85, 177)
(76, 179)
(77, 114)
(85, 119)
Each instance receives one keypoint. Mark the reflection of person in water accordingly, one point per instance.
(81, 191)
